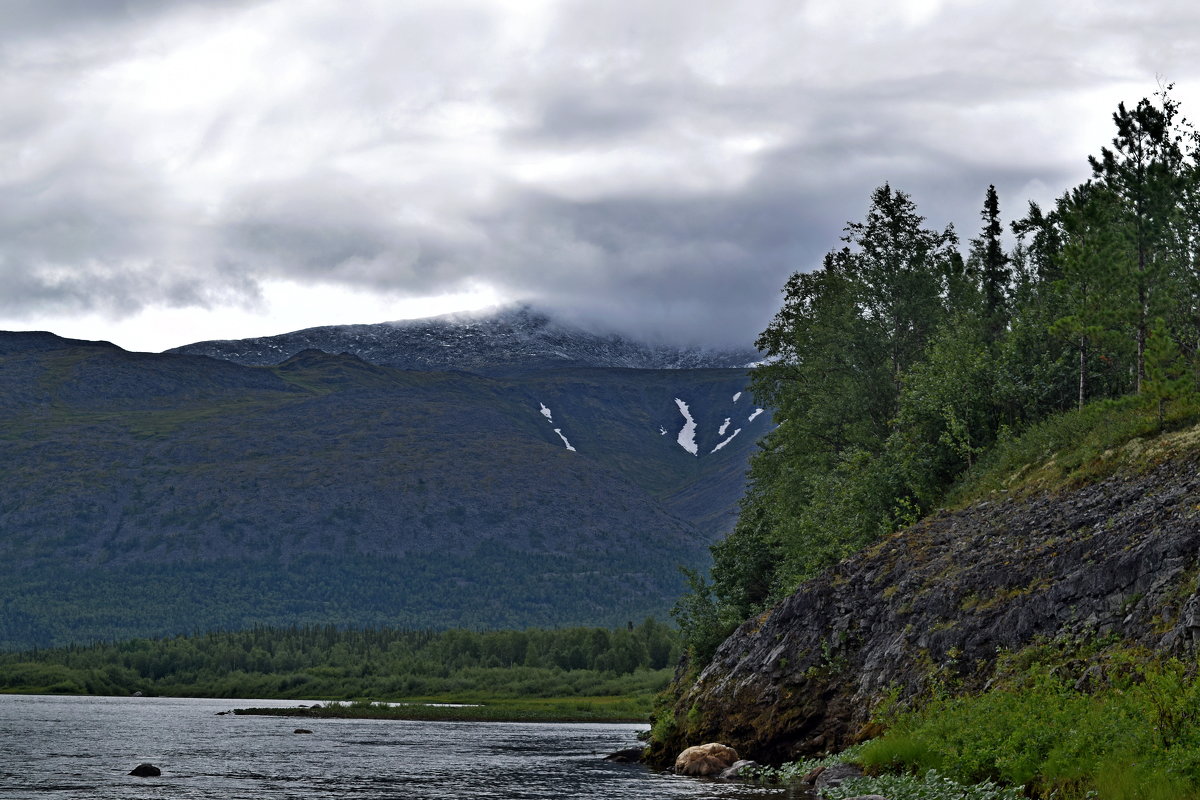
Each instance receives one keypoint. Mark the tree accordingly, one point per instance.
(994, 272)
(947, 411)
(900, 269)
(1092, 289)
(839, 349)
(1143, 171)
(1035, 373)
(1168, 373)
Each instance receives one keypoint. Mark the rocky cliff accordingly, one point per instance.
(935, 603)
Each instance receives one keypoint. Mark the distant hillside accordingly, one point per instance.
(154, 493)
(519, 337)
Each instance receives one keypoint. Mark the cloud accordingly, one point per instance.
(649, 168)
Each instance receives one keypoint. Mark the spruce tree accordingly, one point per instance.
(994, 272)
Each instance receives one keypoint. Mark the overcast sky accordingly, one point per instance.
(179, 171)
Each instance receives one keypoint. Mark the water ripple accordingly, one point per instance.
(84, 747)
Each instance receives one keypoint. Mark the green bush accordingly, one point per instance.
(1137, 737)
(930, 786)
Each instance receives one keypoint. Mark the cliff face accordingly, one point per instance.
(937, 601)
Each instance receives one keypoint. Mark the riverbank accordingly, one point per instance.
(564, 709)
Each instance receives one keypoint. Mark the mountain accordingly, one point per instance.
(518, 337)
(146, 494)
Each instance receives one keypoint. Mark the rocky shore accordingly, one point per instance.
(934, 604)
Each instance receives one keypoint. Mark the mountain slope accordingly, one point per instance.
(144, 493)
(519, 338)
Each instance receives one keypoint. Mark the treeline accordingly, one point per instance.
(420, 590)
(325, 662)
(906, 357)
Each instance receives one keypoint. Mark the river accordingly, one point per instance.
(84, 747)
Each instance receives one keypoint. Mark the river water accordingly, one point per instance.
(84, 747)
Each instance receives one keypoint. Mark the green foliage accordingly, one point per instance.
(330, 663)
(1080, 446)
(1137, 735)
(1169, 376)
(794, 771)
(900, 369)
(703, 623)
(930, 786)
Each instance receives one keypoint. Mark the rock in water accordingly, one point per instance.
(146, 771)
(630, 755)
(705, 759)
(736, 770)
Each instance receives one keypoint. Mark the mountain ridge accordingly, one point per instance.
(513, 338)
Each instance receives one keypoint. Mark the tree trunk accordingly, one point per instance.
(1083, 376)
(1142, 326)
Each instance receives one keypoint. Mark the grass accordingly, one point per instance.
(1035, 735)
(1082, 446)
(1136, 737)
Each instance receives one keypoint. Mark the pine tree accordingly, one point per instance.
(1143, 171)
(1092, 290)
(1168, 373)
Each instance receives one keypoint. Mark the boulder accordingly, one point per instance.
(146, 771)
(630, 755)
(302, 730)
(705, 759)
(735, 771)
(833, 775)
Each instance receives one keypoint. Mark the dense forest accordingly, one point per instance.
(905, 359)
(326, 662)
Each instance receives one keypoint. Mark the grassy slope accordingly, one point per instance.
(1080, 447)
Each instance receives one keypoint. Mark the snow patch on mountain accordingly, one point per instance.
(737, 396)
(565, 442)
(687, 434)
(723, 428)
(757, 411)
(727, 441)
(546, 413)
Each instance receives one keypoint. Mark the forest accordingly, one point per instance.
(908, 359)
(327, 662)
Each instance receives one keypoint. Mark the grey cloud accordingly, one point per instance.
(24, 19)
(410, 119)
